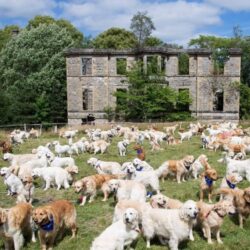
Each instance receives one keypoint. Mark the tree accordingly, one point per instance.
(115, 38)
(76, 35)
(33, 74)
(148, 97)
(6, 34)
(142, 27)
(153, 41)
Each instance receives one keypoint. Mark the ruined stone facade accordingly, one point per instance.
(93, 77)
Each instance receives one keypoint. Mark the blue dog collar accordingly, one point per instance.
(209, 181)
(231, 185)
(139, 168)
(49, 226)
(139, 151)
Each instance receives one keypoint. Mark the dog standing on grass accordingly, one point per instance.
(140, 152)
(207, 179)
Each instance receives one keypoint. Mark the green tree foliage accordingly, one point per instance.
(244, 101)
(142, 26)
(148, 97)
(6, 34)
(153, 41)
(183, 64)
(76, 35)
(115, 38)
(33, 75)
(220, 46)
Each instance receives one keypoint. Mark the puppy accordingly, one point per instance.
(230, 181)
(180, 168)
(27, 192)
(140, 152)
(90, 184)
(207, 178)
(52, 218)
(173, 224)
(211, 217)
(14, 224)
(120, 234)
(162, 201)
(241, 201)
(127, 189)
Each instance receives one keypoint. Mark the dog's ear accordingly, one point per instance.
(49, 214)
(153, 202)
(246, 194)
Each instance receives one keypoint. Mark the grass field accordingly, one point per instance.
(95, 217)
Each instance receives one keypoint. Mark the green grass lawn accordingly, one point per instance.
(95, 217)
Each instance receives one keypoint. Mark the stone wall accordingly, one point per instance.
(101, 80)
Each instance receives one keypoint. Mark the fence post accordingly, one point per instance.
(41, 125)
(55, 129)
(24, 127)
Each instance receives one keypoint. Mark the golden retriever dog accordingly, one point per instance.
(171, 129)
(173, 224)
(90, 184)
(230, 181)
(122, 205)
(119, 235)
(15, 222)
(207, 179)
(51, 220)
(211, 217)
(27, 192)
(180, 168)
(241, 201)
(162, 201)
(140, 152)
(235, 148)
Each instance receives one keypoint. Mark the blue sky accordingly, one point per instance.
(175, 21)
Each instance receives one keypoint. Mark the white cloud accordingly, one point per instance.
(26, 8)
(175, 21)
(235, 5)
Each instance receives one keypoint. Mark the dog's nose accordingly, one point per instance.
(195, 214)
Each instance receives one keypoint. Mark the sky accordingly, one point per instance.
(175, 21)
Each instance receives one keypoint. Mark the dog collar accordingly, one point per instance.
(49, 226)
(216, 211)
(209, 181)
(139, 151)
(231, 185)
(139, 168)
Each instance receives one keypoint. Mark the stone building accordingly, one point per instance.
(93, 76)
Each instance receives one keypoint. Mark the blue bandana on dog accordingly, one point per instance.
(139, 168)
(139, 151)
(49, 226)
(209, 181)
(231, 185)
